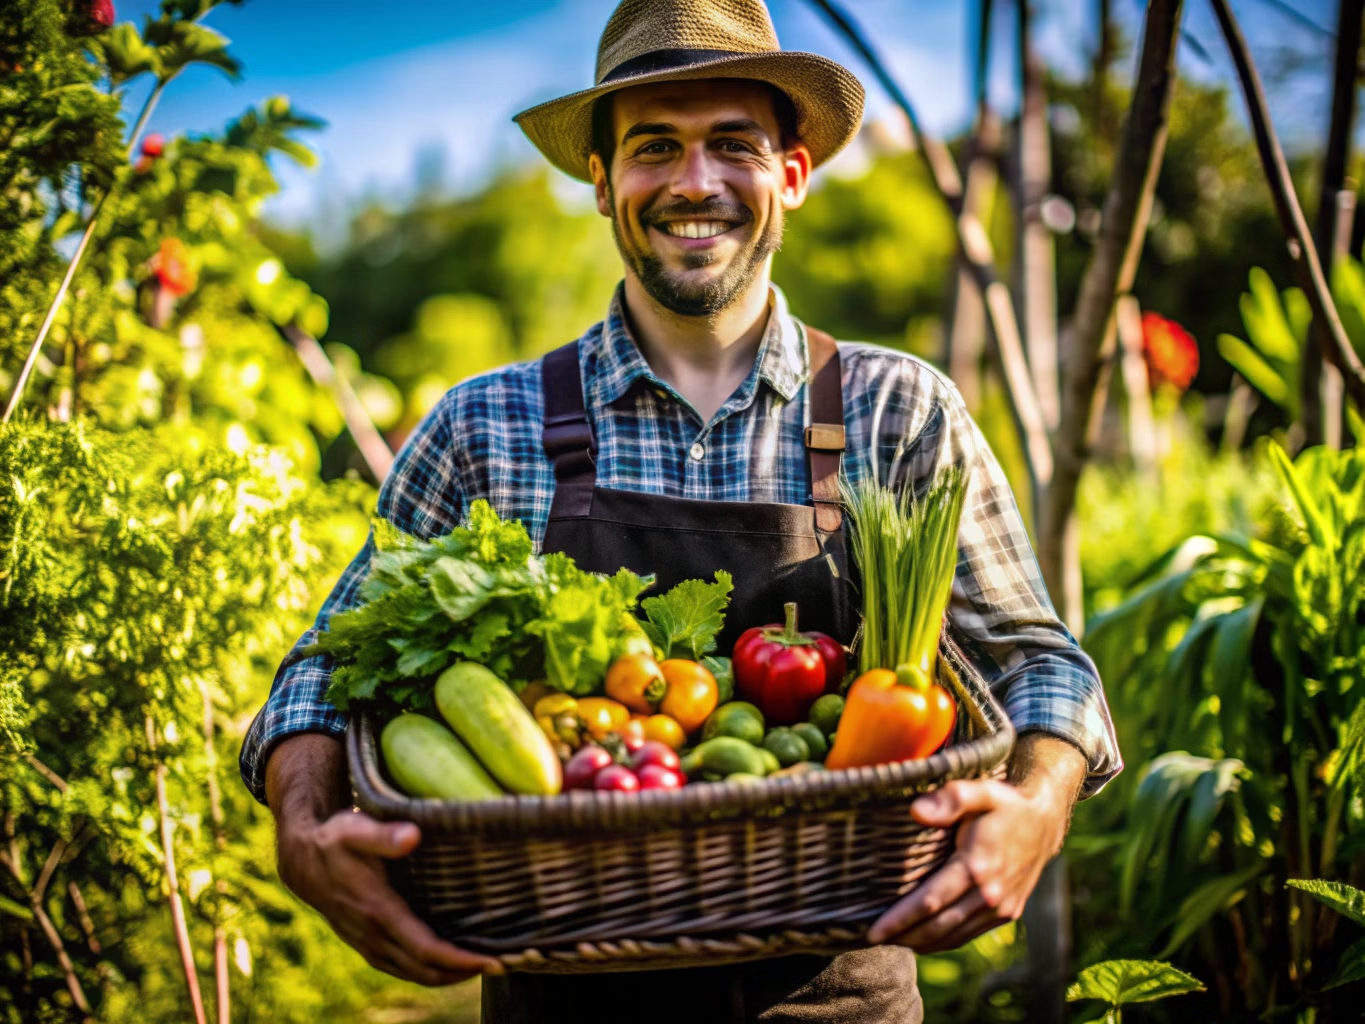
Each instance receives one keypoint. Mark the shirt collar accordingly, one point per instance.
(615, 362)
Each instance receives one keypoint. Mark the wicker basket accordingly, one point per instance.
(708, 874)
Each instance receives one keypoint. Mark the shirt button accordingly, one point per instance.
(697, 452)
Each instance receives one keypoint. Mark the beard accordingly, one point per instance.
(673, 290)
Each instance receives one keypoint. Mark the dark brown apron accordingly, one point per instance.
(775, 553)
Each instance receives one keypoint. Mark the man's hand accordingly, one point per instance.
(332, 858)
(1007, 833)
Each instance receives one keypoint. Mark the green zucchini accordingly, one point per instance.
(426, 759)
(725, 756)
(504, 735)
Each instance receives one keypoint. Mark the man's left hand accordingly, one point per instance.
(1006, 835)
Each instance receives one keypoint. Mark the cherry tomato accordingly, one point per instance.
(654, 752)
(633, 733)
(665, 730)
(583, 767)
(616, 778)
(656, 776)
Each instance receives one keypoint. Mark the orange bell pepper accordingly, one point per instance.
(892, 716)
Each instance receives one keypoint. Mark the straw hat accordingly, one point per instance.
(676, 40)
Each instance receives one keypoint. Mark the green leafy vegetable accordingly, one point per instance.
(683, 623)
(478, 594)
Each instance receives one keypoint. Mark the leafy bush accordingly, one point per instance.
(1243, 656)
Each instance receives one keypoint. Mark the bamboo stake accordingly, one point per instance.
(178, 923)
(1336, 346)
(1316, 391)
(222, 987)
(1108, 275)
(54, 939)
(1035, 254)
(373, 448)
(976, 250)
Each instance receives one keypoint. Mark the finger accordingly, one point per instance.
(383, 954)
(942, 889)
(956, 800)
(389, 839)
(983, 921)
(410, 933)
(931, 932)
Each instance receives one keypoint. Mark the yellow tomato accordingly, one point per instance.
(666, 730)
(601, 715)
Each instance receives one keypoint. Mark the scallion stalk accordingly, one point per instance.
(906, 550)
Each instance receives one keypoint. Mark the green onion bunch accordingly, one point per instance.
(906, 550)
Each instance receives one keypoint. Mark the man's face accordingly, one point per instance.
(697, 188)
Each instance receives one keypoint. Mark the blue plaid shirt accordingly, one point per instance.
(903, 419)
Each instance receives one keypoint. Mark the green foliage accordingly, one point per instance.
(1277, 326)
(1247, 653)
(1119, 983)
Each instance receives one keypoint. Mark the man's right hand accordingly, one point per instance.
(333, 859)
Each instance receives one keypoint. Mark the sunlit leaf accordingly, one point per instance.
(1210, 899)
(1120, 982)
(1351, 966)
(1346, 900)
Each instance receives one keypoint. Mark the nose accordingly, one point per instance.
(697, 178)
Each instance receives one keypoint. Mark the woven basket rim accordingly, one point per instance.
(592, 812)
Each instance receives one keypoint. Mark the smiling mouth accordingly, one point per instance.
(695, 228)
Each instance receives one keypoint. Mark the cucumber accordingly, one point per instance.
(725, 756)
(426, 759)
(504, 735)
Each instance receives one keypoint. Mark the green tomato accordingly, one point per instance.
(815, 739)
(825, 713)
(739, 719)
(786, 746)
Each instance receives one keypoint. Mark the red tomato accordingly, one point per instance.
(584, 766)
(656, 776)
(654, 752)
(617, 778)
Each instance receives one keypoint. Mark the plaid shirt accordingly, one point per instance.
(902, 417)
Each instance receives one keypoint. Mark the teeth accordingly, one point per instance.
(697, 228)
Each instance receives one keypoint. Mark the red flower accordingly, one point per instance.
(154, 145)
(171, 265)
(1171, 351)
(101, 13)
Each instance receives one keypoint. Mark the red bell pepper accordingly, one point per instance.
(783, 671)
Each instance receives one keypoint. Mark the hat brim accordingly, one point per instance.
(827, 97)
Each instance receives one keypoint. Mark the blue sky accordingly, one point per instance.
(400, 79)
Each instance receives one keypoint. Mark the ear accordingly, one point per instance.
(600, 185)
(795, 175)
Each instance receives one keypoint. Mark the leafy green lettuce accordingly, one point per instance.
(477, 594)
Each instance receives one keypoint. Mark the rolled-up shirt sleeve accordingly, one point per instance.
(421, 497)
(1000, 612)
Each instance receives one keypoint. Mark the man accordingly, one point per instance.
(693, 397)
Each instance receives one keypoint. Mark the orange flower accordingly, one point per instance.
(172, 268)
(1171, 351)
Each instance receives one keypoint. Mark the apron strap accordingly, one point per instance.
(825, 435)
(567, 434)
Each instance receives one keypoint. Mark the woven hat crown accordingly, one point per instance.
(638, 27)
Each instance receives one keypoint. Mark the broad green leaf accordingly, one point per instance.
(1264, 314)
(1210, 899)
(1206, 799)
(1346, 900)
(1351, 966)
(1120, 982)
(188, 42)
(1251, 365)
(1308, 508)
(126, 54)
(683, 623)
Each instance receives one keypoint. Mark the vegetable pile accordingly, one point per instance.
(497, 670)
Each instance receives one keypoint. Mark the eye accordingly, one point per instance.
(734, 146)
(656, 148)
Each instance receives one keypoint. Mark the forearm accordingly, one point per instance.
(1050, 771)
(305, 780)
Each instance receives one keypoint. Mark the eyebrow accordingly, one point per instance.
(742, 125)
